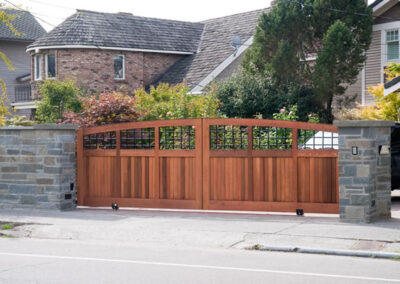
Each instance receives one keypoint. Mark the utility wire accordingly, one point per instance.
(18, 8)
(52, 5)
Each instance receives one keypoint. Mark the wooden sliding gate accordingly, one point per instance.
(216, 164)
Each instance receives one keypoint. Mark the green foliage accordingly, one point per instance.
(174, 102)
(4, 109)
(384, 108)
(104, 109)
(247, 95)
(244, 95)
(17, 120)
(337, 32)
(57, 97)
(7, 226)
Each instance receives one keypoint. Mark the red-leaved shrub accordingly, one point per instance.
(108, 108)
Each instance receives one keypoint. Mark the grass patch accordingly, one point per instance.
(6, 236)
(257, 247)
(7, 226)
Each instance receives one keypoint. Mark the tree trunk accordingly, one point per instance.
(329, 114)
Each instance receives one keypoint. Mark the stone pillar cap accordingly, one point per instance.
(363, 123)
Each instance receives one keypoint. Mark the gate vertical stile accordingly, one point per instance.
(206, 163)
(295, 150)
(199, 144)
(250, 164)
(118, 186)
(157, 163)
(81, 175)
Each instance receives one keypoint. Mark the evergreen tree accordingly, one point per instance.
(336, 32)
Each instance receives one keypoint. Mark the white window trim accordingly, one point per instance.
(37, 77)
(384, 48)
(123, 67)
(47, 68)
(387, 46)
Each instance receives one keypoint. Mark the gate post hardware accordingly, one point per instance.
(384, 149)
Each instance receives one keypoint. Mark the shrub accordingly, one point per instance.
(107, 108)
(174, 102)
(57, 97)
(17, 120)
(384, 108)
(246, 95)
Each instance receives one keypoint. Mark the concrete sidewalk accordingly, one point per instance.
(208, 230)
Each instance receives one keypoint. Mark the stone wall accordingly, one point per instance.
(364, 171)
(37, 167)
(94, 68)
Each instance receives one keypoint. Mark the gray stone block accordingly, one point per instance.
(54, 152)
(28, 199)
(360, 199)
(355, 213)
(13, 176)
(13, 152)
(22, 188)
(345, 180)
(9, 197)
(349, 171)
(49, 181)
(53, 170)
(66, 138)
(9, 169)
(350, 131)
(29, 168)
(362, 181)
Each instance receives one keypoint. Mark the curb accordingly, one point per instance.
(371, 254)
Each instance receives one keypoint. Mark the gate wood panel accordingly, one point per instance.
(282, 179)
(231, 164)
(142, 177)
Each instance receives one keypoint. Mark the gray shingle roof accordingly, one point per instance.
(215, 47)
(25, 23)
(125, 31)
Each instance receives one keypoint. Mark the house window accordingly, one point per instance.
(38, 67)
(119, 67)
(50, 66)
(392, 42)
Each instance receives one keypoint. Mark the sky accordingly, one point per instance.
(50, 13)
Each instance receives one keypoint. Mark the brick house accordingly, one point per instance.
(104, 51)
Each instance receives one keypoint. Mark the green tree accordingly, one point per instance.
(57, 97)
(336, 32)
(5, 22)
(248, 95)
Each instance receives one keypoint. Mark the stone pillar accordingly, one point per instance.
(364, 170)
(38, 167)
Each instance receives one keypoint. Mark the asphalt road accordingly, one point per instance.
(64, 261)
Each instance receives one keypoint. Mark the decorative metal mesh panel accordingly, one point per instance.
(107, 140)
(228, 137)
(142, 138)
(314, 139)
(177, 138)
(272, 138)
